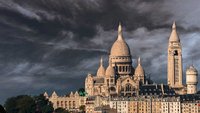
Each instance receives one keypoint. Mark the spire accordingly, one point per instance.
(101, 61)
(174, 25)
(139, 62)
(120, 32)
(174, 36)
(54, 94)
(71, 94)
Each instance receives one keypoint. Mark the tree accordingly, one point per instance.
(61, 110)
(28, 104)
(43, 104)
(82, 108)
(81, 92)
(2, 110)
(20, 104)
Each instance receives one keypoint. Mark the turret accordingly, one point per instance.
(191, 80)
(101, 70)
(110, 75)
(110, 70)
(71, 94)
(54, 95)
(76, 94)
(139, 72)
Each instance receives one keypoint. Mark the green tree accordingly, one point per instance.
(2, 110)
(20, 104)
(28, 104)
(61, 110)
(81, 92)
(43, 104)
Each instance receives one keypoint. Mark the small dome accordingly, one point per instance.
(191, 70)
(101, 70)
(110, 71)
(120, 47)
(139, 70)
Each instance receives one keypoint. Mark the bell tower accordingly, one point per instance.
(174, 60)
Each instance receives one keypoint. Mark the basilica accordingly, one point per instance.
(120, 78)
(115, 84)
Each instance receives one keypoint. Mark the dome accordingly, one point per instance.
(101, 70)
(139, 70)
(110, 71)
(174, 36)
(120, 47)
(191, 76)
(191, 70)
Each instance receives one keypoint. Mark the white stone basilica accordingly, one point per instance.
(121, 79)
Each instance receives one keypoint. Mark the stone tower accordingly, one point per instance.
(191, 80)
(174, 60)
(120, 56)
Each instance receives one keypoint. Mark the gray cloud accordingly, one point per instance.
(52, 45)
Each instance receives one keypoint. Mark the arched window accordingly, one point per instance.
(128, 87)
(58, 103)
(175, 53)
(119, 68)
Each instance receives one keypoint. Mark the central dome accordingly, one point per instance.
(120, 47)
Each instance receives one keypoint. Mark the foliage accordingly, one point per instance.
(43, 104)
(28, 104)
(61, 110)
(2, 110)
(81, 92)
(20, 104)
(82, 108)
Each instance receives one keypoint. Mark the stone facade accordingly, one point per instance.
(175, 71)
(71, 102)
(157, 104)
(120, 80)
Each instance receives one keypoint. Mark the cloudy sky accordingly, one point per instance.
(48, 45)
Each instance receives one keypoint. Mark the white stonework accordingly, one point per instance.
(120, 79)
(174, 60)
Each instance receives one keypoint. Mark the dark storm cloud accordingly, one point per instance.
(53, 44)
